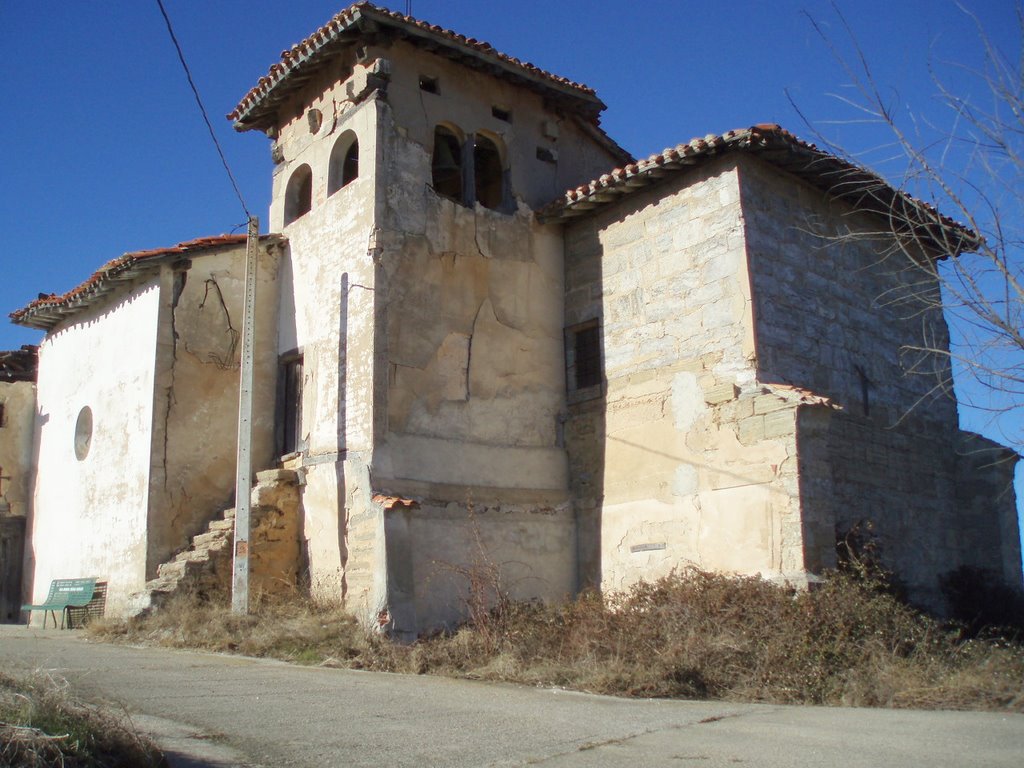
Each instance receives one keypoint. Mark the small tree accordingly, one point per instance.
(971, 168)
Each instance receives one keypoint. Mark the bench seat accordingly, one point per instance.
(64, 594)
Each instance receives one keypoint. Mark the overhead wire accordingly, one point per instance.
(202, 109)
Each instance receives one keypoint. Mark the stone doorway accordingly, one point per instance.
(12, 548)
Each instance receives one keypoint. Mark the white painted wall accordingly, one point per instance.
(89, 516)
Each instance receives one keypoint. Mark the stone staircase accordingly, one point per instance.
(204, 568)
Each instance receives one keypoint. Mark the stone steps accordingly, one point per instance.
(205, 567)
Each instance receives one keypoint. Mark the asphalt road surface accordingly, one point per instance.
(215, 710)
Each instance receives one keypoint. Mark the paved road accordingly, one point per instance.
(214, 710)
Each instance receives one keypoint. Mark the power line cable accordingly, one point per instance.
(202, 109)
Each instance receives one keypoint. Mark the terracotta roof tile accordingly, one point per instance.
(390, 502)
(310, 50)
(799, 396)
(857, 185)
(50, 308)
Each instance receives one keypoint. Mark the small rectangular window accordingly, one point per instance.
(502, 114)
(429, 84)
(583, 352)
(289, 413)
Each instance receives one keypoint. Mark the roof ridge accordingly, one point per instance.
(300, 53)
(841, 176)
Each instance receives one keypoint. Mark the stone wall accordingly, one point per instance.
(989, 527)
(829, 317)
(830, 307)
(680, 457)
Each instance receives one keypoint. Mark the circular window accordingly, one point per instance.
(83, 433)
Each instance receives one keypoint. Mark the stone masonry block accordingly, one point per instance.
(719, 393)
(751, 430)
(768, 404)
(779, 423)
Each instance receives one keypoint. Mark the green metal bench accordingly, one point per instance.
(64, 594)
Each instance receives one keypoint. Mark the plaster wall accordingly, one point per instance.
(328, 304)
(90, 515)
(445, 558)
(430, 332)
(474, 296)
(465, 101)
(18, 401)
(474, 345)
(680, 457)
(473, 312)
(475, 390)
(192, 474)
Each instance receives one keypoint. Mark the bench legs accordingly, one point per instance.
(28, 624)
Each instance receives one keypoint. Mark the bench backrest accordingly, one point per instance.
(74, 592)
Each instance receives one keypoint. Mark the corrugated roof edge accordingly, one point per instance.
(857, 185)
(49, 309)
(300, 54)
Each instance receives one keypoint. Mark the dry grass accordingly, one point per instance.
(693, 634)
(300, 631)
(42, 726)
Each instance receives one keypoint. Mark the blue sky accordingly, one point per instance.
(105, 152)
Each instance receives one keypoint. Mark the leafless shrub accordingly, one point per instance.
(965, 159)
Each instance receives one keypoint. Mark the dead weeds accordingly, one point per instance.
(690, 635)
(42, 725)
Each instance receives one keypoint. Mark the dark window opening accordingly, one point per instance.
(2, 422)
(489, 178)
(446, 166)
(343, 167)
(314, 118)
(290, 405)
(429, 84)
(586, 352)
(298, 195)
(545, 154)
(501, 114)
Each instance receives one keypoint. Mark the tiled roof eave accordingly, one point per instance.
(48, 311)
(256, 109)
(858, 186)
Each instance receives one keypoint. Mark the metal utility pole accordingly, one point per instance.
(243, 476)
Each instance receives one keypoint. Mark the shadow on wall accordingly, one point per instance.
(586, 387)
(28, 570)
(339, 465)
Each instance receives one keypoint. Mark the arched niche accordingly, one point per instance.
(298, 195)
(343, 167)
